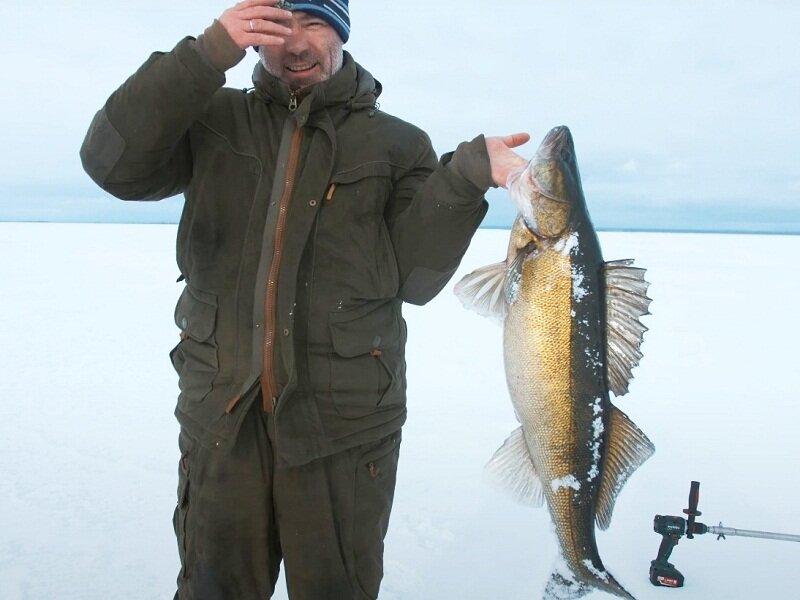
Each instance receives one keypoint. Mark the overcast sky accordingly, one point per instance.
(680, 110)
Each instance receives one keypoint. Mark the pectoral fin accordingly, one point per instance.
(483, 291)
(511, 469)
(627, 448)
(626, 302)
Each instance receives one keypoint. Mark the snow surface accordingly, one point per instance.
(88, 467)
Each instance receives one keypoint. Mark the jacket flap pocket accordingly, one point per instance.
(196, 313)
(359, 172)
(373, 331)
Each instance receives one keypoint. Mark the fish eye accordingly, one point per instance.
(566, 155)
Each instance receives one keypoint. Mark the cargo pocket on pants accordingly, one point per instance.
(376, 474)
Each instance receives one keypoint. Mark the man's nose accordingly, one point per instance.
(296, 42)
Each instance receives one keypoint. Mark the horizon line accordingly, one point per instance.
(679, 230)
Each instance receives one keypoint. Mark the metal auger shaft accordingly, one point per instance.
(725, 531)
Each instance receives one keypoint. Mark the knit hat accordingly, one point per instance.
(335, 12)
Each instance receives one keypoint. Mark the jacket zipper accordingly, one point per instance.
(268, 384)
(269, 387)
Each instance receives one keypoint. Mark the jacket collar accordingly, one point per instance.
(352, 87)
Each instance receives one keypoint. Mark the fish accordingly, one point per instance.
(571, 336)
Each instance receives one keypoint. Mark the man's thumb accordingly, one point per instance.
(516, 139)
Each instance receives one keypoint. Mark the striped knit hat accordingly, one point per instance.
(335, 12)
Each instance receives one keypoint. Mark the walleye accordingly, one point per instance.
(571, 334)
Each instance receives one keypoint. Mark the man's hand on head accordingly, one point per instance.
(256, 23)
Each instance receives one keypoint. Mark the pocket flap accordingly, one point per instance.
(196, 313)
(359, 172)
(374, 330)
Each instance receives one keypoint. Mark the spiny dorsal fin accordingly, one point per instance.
(626, 302)
(512, 470)
(626, 449)
(483, 291)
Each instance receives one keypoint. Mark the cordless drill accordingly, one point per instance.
(671, 529)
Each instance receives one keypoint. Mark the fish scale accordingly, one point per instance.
(538, 337)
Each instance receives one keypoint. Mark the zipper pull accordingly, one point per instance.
(329, 195)
(293, 103)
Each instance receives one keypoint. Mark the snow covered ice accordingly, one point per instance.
(89, 459)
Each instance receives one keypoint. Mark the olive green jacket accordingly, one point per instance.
(336, 210)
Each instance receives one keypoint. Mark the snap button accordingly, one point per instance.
(313, 203)
(285, 332)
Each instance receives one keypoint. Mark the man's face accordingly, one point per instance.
(312, 53)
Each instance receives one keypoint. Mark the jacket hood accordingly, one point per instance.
(351, 86)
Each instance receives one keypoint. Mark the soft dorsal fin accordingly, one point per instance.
(626, 302)
(627, 448)
(512, 470)
(483, 291)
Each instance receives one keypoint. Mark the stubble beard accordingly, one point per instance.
(335, 61)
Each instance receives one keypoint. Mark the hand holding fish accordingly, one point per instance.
(256, 23)
(503, 159)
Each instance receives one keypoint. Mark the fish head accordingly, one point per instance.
(548, 189)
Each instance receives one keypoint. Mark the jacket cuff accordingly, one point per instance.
(218, 48)
(470, 161)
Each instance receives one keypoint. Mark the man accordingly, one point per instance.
(310, 216)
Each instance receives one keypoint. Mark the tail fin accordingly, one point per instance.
(564, 584)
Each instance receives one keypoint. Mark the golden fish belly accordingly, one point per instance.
(539, 346)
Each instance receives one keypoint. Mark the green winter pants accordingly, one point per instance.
(239, 516)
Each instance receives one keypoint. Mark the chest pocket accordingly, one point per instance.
(352, 240)
(363, 189)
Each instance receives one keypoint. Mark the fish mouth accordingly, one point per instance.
(544, 190)
(557, 144)
(554, 164)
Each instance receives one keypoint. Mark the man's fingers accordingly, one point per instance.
(516, 139)
(265, 27)
(249, 3)
(268, 13)
(257, 23)
(260, 39)
(266, 20)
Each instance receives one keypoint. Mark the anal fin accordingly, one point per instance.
(627, 448)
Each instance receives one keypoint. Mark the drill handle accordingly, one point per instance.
(668, 542)
(694, 499)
